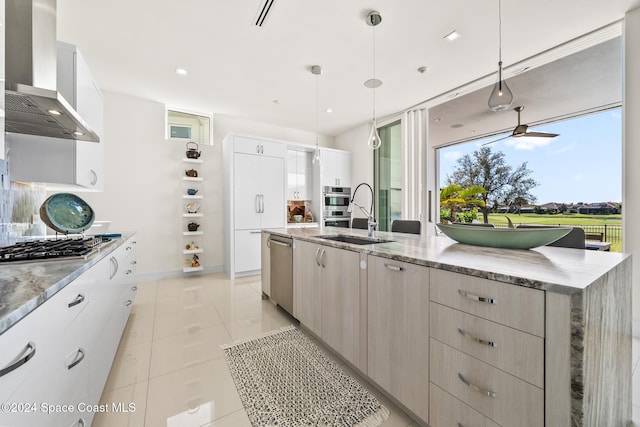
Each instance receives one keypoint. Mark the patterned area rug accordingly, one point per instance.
(284, 379)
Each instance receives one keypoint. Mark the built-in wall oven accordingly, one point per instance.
(335, 206)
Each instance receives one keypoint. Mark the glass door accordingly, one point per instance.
(387, 176)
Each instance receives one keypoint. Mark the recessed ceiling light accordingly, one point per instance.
(181, 71)
(423, 70)
(55, 112)
(456, 125)
(373, 83)
(437, 119)
(328, 110)
(453, 35)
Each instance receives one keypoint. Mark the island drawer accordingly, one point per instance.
(512, 305)
(507, 400)
(511, 350)
(447, 411)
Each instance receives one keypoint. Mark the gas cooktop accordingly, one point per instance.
(40, 250)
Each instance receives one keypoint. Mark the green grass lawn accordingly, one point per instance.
(561, 219)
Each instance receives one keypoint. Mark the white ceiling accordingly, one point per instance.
(235, 68)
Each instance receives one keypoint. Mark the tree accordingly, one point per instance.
(503, 184)
(454, 196)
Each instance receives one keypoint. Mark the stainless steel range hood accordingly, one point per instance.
(33, 104)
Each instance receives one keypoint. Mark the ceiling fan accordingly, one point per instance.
(521, 130)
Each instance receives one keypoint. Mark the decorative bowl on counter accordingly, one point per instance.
(509, 238)
(67, 213)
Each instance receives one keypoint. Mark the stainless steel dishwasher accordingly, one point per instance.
(281, 250)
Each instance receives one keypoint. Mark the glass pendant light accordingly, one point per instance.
(501, 96)
(316, 70)
(374, 142)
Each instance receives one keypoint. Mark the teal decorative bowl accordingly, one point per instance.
(67, 213)
(510, 238)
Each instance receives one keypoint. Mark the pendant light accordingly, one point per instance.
(374, 142)
(501, 96)
(316, 70)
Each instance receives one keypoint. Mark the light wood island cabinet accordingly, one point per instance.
(466, 336)
(326, 295)
(398, 331)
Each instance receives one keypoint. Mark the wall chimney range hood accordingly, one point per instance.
(33, 104)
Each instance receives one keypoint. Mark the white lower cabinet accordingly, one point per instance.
(61, 353)
(398, 331)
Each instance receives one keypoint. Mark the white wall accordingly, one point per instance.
(355, 141)
(631, 153)
(143, 181)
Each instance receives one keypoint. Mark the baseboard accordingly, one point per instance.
(150, 277)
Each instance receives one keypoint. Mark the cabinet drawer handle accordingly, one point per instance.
(474, 387)
(78, 359)
(128, 272)
(94, 177)
(114, 265)
(394, 267)
(275, 242)
(76, 301)
(128, 303)
(256, 203)
(477, 298)
(128, 248)
(323, 258)
(134, 288)
(476, 339)
(22, 358)
(81, 422)
(317, 257)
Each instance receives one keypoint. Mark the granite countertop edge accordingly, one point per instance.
(558, 270)
(37, 271)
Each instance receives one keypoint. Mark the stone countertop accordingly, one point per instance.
(554, 269)
(26, 285)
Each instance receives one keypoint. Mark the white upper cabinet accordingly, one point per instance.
(335, 170)
(299, 175)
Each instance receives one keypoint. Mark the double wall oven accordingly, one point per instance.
(335, 206)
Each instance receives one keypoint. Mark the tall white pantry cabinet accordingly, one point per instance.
(254, 190)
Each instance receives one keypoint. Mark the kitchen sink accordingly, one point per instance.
(355, 240)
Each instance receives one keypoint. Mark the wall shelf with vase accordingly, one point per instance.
(191, 190)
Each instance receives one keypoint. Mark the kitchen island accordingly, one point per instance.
(512, 337)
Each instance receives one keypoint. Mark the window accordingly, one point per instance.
(189, 127)
(578, 175)
(387, 176)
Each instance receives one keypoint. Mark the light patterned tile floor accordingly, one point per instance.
(169, 364)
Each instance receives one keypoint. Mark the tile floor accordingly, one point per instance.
(169, 363)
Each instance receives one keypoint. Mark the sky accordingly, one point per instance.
(582, 164)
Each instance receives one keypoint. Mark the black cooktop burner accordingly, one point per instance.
(51, 249)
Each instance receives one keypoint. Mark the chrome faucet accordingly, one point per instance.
(371, 222)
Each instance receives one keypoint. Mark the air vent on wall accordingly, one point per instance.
(263, 12)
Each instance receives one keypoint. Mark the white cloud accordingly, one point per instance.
(452, 156)
(527, 143)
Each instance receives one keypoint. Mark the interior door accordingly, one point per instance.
(246, 191)
(272, 189)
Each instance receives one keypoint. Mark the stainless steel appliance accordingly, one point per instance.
(43, 249)
(335, 206)
(281, 251)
